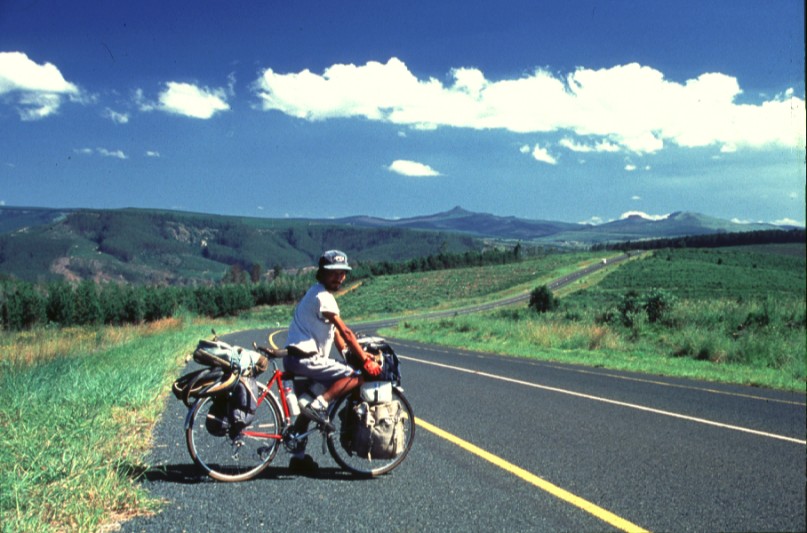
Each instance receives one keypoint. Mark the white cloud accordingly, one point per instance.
(630, 167)
(636, 198)
(601, 146)
(594, 221)
(117, 154)
(114, 116)
(412, 168)
(642, 214)
(152, 153)
(541, 154)
(788, 222)
(626, 107)
(37, 90)
(728, 148)
(191, 101)
(185, 99)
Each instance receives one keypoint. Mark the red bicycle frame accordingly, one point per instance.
(277, 380)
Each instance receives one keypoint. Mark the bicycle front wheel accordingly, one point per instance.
(343, 449)
(228, 458)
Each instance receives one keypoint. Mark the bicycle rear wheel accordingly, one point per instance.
(340, 440)
(234, 459)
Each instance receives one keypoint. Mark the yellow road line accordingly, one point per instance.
(529, 477)
(272, 339)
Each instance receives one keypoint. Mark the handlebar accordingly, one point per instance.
(269, 352)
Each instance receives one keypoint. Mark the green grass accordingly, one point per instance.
(736, 316)
(403, 294)
(77, 408)
(76, 425)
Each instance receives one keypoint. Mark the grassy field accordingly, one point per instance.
(403, 294)
(77, 406)
(730, 315)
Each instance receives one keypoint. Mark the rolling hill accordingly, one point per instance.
(173, 247)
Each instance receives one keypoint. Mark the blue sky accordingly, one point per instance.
(578, 111)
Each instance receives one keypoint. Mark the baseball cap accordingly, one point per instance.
(334, 260)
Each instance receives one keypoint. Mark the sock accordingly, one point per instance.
(319, 403)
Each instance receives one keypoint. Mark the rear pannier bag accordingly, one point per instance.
(201, 383)
(242, 405)
(213, 353)
(378, 431)
(217, 421)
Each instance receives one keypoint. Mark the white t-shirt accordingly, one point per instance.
(309, 331)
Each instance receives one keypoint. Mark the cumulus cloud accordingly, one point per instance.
(186, 99)
(642, 214)
(411, 168)
(625, 107)
(539, 154)
(788, 222)
(191, 101)
(37, 90)
(601, 146)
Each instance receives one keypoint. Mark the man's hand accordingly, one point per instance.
(371, 367)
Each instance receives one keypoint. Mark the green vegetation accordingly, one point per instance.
(175, 248)
(76, 423)
(402, 294)
(24, 305)
(723, 315)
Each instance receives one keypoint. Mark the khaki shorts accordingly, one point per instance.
(322, 369)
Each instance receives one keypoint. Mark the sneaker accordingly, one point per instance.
(320, 416)
(303, 465)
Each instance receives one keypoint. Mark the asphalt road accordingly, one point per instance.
(569, 449)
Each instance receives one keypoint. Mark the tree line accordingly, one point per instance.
(25, 305)
(441, 261)
(713, 240)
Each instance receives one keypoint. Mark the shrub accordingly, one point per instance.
(657, 303)
(629, 306)
(542, 300)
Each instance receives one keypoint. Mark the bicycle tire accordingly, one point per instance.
(359, 466)
(234, 459)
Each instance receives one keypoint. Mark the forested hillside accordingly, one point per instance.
(162, 247)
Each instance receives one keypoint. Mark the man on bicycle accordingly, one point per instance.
(315, 328)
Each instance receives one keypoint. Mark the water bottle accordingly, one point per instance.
(291, 399)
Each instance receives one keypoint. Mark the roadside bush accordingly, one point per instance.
(629, 307)
(657, 303)
(542, 300)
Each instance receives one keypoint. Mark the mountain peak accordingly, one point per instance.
(458, 211)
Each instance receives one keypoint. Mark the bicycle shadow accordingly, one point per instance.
(190, 474)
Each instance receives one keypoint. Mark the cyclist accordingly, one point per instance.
(315, 328)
